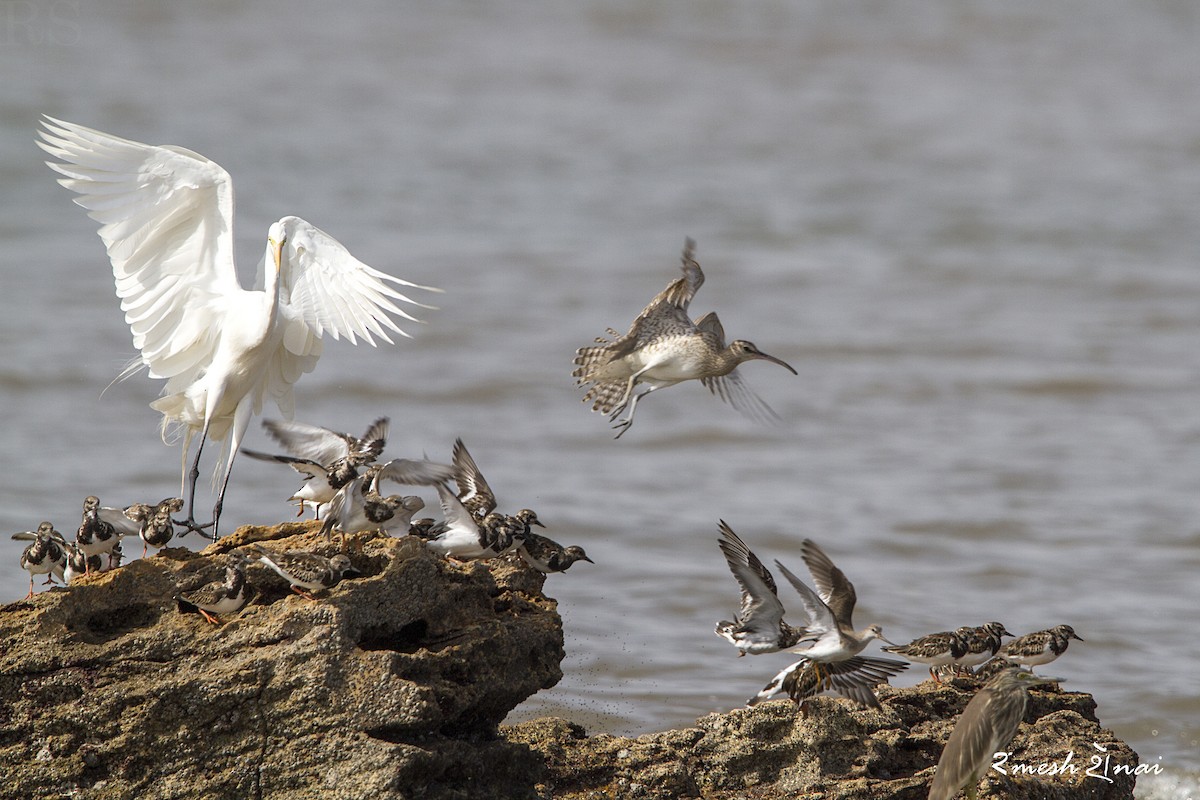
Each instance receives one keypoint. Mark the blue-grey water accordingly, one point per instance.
(973, 228)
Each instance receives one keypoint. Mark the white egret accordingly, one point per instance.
(166, 217)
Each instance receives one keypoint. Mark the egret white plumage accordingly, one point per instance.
(166, 216)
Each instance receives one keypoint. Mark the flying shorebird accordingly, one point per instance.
(759, 626)
(304, 572)
(1040, 647)
(47, 555)
(664, 347)
(222, 596)
(830, 609)
(327, 459)
(462, 537)
(477, 496)
(855, 679)
(986, 726)
(166, 216)
(355, 508)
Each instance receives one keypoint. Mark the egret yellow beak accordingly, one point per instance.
(277, 252)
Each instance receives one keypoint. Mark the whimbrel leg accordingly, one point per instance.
(626, 423)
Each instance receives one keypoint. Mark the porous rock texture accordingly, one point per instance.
(837, 752)
(393, 685)
(390, 685)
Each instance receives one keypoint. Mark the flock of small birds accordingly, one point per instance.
(342, 485)
(163, 206)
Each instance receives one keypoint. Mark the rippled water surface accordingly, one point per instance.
(972, 229)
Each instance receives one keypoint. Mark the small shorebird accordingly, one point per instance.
(355, 508)
(986, 726)
(155, 526)
(460, 536)
(327, 459)
(546, 555)
(47, 555)
(664, 347)
(981, 643)
(830, 609)
(935, 649)
(79, 563)
(477, 496)
(1040, 647)
(221, 596)
(99, 532)
(759, 626)
(855, 679)
(304, 572)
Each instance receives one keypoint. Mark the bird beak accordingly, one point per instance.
(540, 524)
(885, 639)
(277, 252)
(585, 558)
(778, 361)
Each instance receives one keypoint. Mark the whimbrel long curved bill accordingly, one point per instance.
(663, 347)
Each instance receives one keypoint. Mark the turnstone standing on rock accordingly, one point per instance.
(546, 555)
(759, 626)
(96, 534)
(156, 528)
(935, 649)
(304, 572)
(221, 596)
(1040, 647)
(980, 642)
(47, 555)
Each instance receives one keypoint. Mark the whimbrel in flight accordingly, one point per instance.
(663, 347)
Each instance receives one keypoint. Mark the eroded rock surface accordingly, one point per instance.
(837, 751)
(391, 685)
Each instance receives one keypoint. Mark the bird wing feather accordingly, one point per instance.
(330, 290)
(166, 216)
(761, 609)
(820, 616)
(834, 588)
(470, 480)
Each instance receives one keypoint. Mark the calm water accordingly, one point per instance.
(972, 230)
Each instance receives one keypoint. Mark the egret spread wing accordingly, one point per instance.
(330, 290)
(166, 218)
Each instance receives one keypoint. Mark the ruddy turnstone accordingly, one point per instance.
(304, 572)
(221, 596)
(664, 347)
(986, 726)
(96, 533)
(156, 528)
(462, 537)
(327, 459)
(546, 555)
(981, 643)
(1040, 647)
(477, 496)
(855, 679)
(759, 626)
(935, 649)
(354, 509)
(46, 555)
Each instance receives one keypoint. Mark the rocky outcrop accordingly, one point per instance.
(835, 751)
(392, 685)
